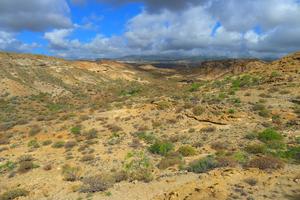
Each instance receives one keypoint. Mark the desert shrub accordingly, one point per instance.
(251, 136)
(187, 150)
(76, 130)
(138, 166)
(256, 148)
(96, 183)
(25, 166)
(264, 113)
(226, 161)
(258, 107)
(87, 158)
(120, 176)
(149, 138)
(91, 134)
(192, 130)
(163, 105)
(35, 129)
(114, 128)
(161, 148)
(33, 144)
(170, 160)
(58, 144)
(208, 129)
(240, 157)
(13, 194)
(198, 110)
(251, 181)
(264, 163)
(4, 139)
(195, 87)
(47, 142)
(70, 144)
(291, 153)
(202, 165)
(231, 111)
(70, 173)
(6, 167)
(269, 135)
(219, 146)
(275, 144)
(25, 157)
(47, 167)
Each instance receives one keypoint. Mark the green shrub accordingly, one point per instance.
(256, 148)
(187, 150)
(275, 144)
(161, 148)
(8, 166)
(269, 135)
(202, 165)
(231, 111)
(47, 142)
(251, 136)
(33, 144)
(76, 130)
(195, 87)
(240, 156)
(58, 144)
(291, 153)
(13, 194)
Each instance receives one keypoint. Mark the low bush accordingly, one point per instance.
(91, 134)
(256, 148)
(58, 144)
(226, 161)
(70, 173)
(96, 183)
(264, 163)
(149, 138)
(202, 165)
(87, 158)
(187, 151)
(138, 167)
(198, 110)
(170, 160)
(76, 130)
(70, 144)
(35, 129)
(33, 144)
(269, 135)
(240, 156)
(25, 166)
(161, 148)
(13, 194)
(47, 142)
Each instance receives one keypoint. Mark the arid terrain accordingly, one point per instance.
(225, 130)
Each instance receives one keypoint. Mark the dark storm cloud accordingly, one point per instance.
(34, 15)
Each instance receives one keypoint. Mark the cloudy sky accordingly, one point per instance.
(115, 28)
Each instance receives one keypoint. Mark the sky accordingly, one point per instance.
(90, 29)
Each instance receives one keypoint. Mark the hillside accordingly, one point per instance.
(228, 129)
